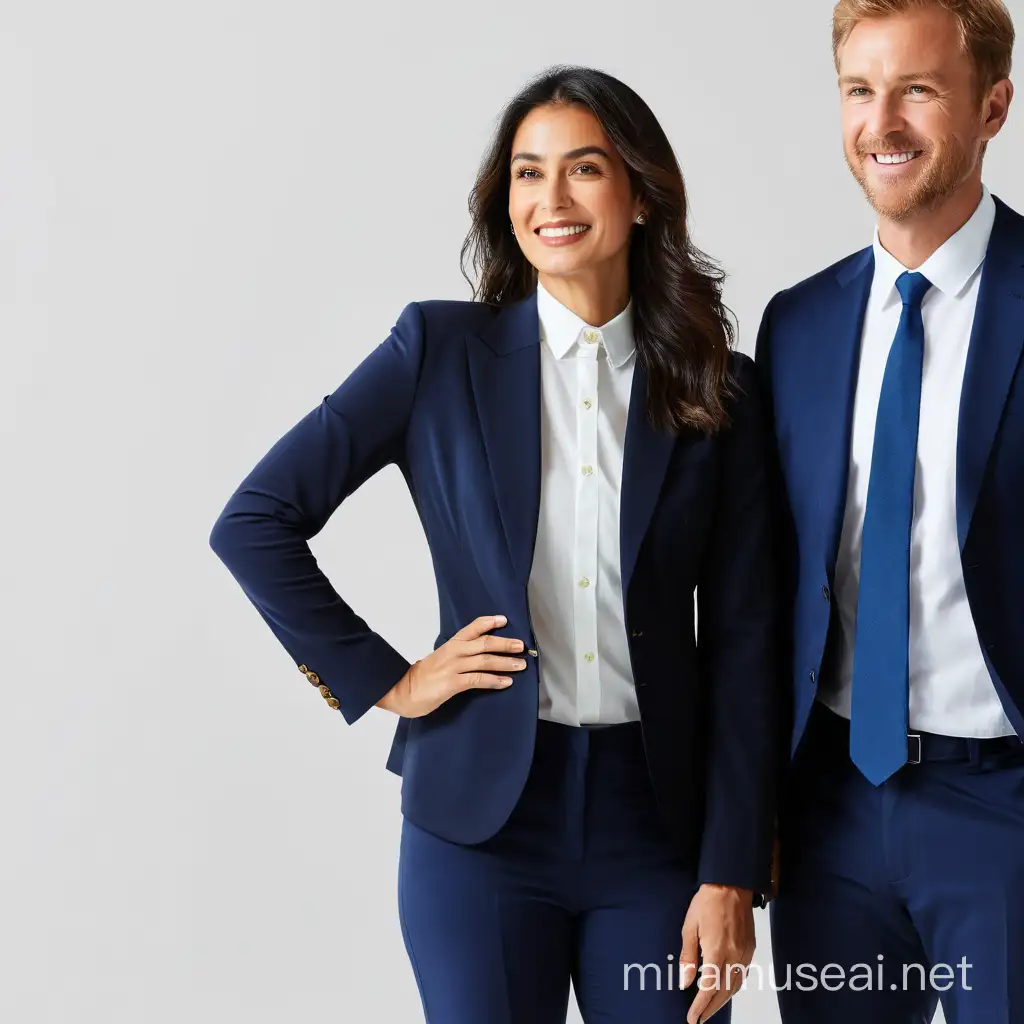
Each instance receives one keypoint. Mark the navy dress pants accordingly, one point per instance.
(580, 885)
(914, 888)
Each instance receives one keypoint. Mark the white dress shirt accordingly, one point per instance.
(951, 691)
(575, 586)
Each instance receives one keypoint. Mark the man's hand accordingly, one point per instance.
(720, 926)
(471, 659)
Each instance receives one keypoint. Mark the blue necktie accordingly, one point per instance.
(881, 655)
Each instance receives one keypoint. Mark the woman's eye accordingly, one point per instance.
(525, 172)
(589, 168)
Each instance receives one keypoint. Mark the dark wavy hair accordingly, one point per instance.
(683, 331)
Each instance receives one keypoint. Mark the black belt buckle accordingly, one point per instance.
(913, 748)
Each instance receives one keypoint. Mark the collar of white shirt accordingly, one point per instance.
(560, 329)
(950, 267)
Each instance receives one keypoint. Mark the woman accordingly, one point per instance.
(587, 786)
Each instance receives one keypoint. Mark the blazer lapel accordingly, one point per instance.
(504, 364)
(995, 350)
(832, 371)
(645, 459)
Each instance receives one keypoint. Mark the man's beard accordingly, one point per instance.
(946, 168)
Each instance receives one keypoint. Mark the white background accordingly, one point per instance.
(209, 213)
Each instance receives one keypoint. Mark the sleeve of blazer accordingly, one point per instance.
(262, 533)
(736, 623)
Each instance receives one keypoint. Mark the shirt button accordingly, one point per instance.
(587, 403)
(584, 582)
(588, 470)
(589, 656)
(824, 592)
(591, 337)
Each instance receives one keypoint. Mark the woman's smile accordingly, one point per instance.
(561, 232)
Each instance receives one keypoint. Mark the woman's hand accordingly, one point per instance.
(471, 659)
(719, 927)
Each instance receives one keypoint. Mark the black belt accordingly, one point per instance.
(929, 746)
(924, 746)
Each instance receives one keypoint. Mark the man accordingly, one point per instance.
(898, 402)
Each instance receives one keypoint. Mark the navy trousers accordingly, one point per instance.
(581, 884)
(914, 888)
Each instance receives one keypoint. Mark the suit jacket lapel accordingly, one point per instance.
(504, 365)
(832, 372)
(995, 350)
(645, 460)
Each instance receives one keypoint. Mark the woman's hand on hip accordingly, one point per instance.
(471, 660)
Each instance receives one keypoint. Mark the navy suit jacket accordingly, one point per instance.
(452, 397)
(808, 352)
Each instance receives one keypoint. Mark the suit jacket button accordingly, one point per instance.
(303, 669)
(324, 691)
(313, 678)
(334, 702)
(532, 653)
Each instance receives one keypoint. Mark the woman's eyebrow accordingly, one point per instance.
(573, 154)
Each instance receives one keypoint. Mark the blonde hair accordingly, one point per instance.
(986, 30)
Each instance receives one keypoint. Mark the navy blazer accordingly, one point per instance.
(808, 351)
(452, 397)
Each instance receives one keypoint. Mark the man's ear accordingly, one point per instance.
(997, 108)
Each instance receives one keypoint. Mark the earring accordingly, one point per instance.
(513, 227)
(641, 218)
